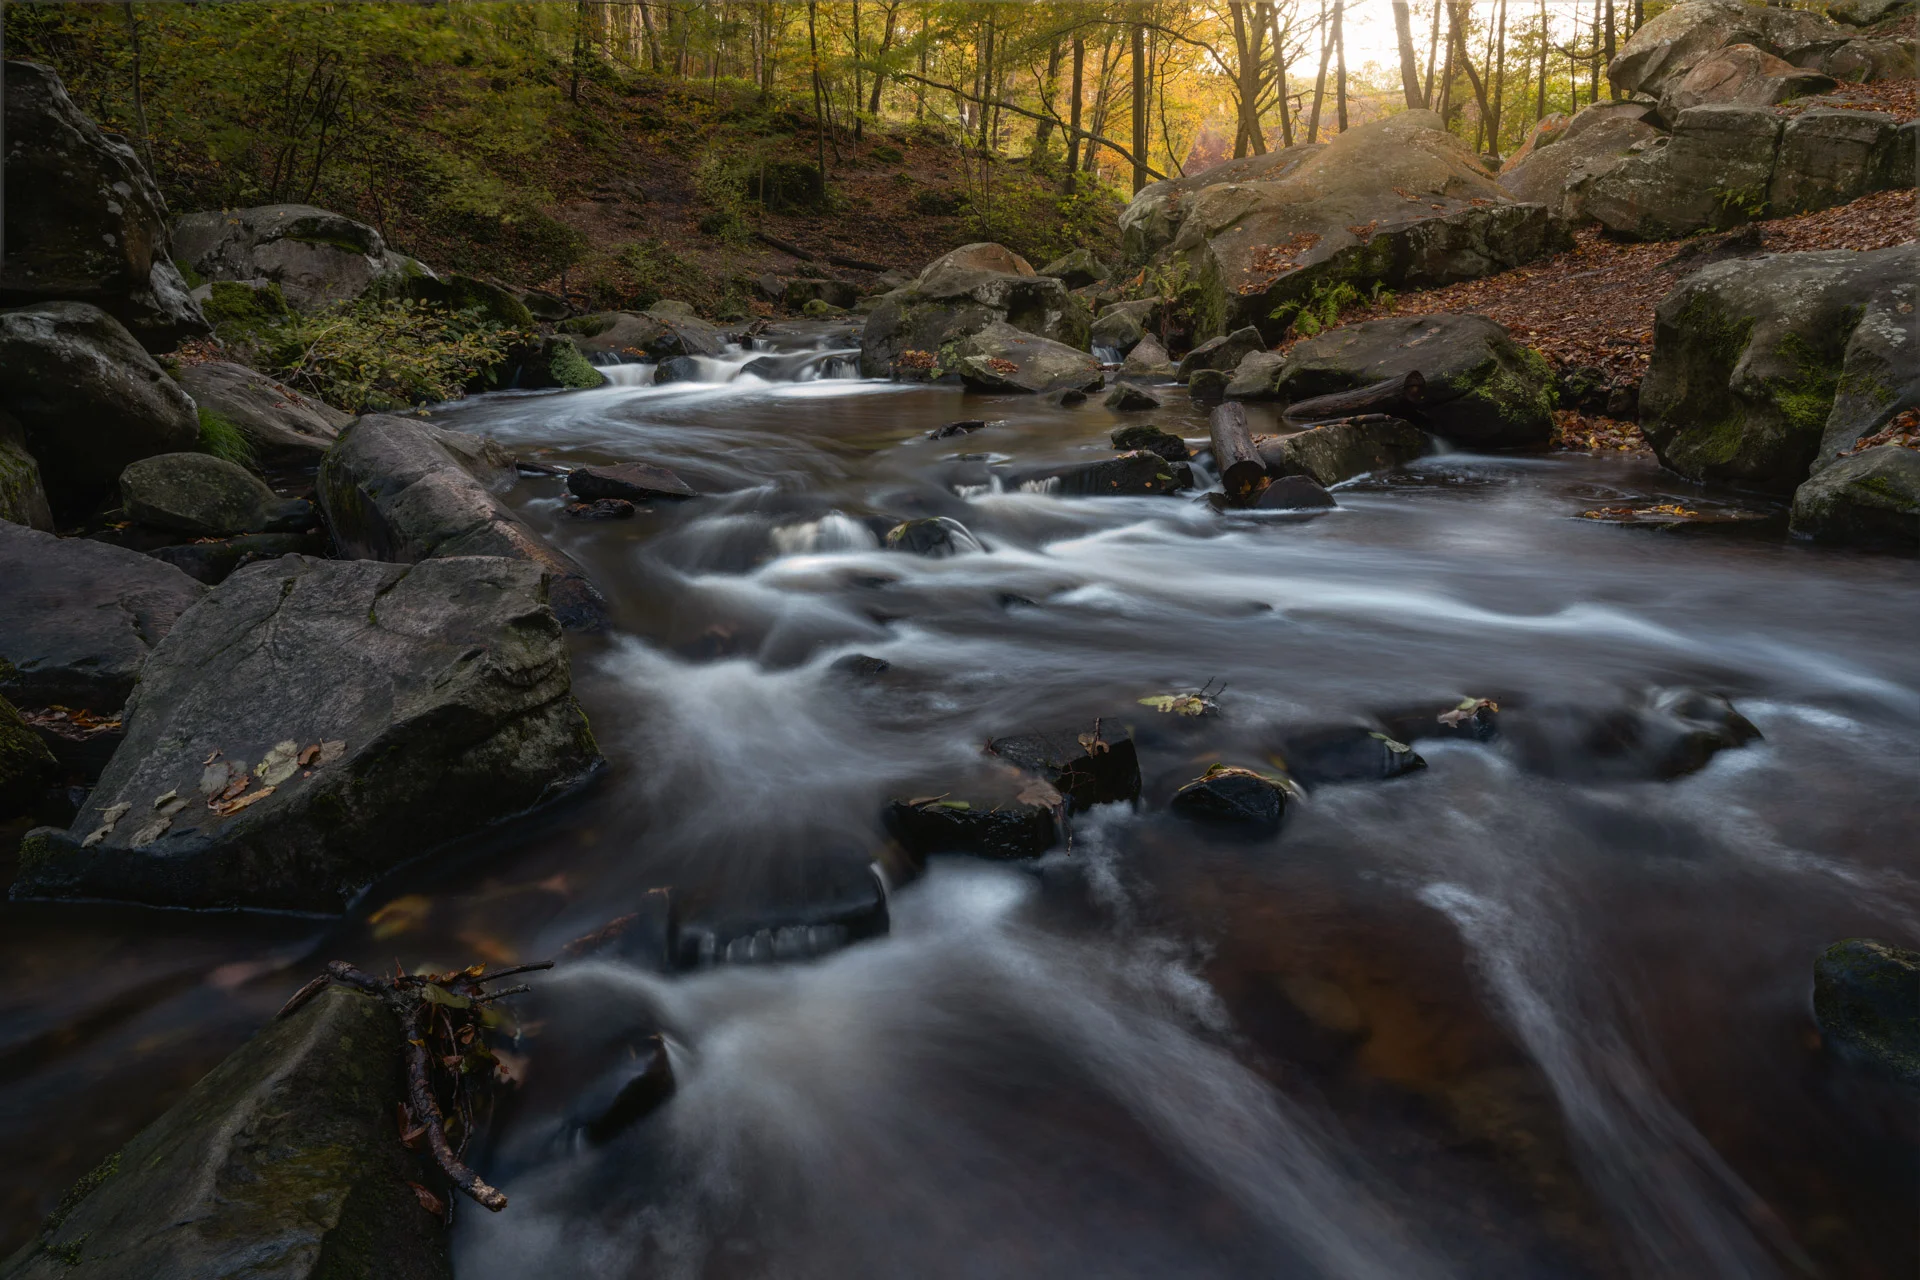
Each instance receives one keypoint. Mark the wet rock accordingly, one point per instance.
(925, 827)
(826, 906)
(966, 426)
(78, 618)
(281, 425)
(281, 1161)
(1346, 753)
(1224, 353)
(633, 1091)
(1469, 720)
(1559, 176)
(1253, 376)
(933, 536)
(1083, 767)
(1128, 398)
(1749, 358)
(1482, 389)
(88, 398)
(1866, 998)
(434, 700)
(203, 496)
(399, 490)
(1294, 493)
(957, 297)
(23, 497)
(315, 257)
(541, 305)
(214, 562)
(1153, 440)
(1067, 398)
(1077, 268)
(1122, 325)
(677, 369)
(1335, 451)
(1208, 386)
(1872, 497)
(85, 223)
(26, 766)
(1235, 798)
(1398, 201)
(1667, 734)
(1001, 357)
(861, 665)
(647, 936)
(633, 481)
(600, 509)
(1148, 359)
(1129, 475)
(660, 333)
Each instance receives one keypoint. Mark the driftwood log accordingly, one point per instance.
(1242, 473)
(1392, 396)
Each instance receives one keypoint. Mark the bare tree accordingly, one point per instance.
(1139, 106)
(1409, 63)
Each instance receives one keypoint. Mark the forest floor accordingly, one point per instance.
(1592, 306)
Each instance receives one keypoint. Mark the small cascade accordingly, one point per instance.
(835, 531)
(635, 374)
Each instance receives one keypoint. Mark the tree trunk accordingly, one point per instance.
(1320, 80)
(1433, 49)
(1396, 396)
(1043, 130)
(1247, 84)
(1073, 110)
(1593, 56)
(1499, 83)
(1280, 78)
(653, 39)
(986, 78)
(1466, 60)
(819, 100)
(1242, 474)
(1140, 90)
(1446, 67)
(1409, 62)
(579, 49)
(1611, 91)
(858, 83)
(139, 95)
(1340, 64)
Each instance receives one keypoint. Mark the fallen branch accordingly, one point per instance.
(787, 247)
(416, 999)
(958, 92)
(1392, 396)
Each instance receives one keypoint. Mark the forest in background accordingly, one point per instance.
(460, 127)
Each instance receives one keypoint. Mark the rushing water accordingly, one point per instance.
(1489, 1018)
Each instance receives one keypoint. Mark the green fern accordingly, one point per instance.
(221, 438)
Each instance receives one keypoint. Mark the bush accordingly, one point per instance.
(888, 155)
(786, 186)
(221, 438)
(938, 202)
(388, 354)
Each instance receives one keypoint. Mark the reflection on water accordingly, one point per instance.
(1474, 1021)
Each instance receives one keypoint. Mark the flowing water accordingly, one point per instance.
(1509, 1015)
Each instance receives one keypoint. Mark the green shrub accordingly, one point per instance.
(1321, 309)
(370, 355)
(243, 305)
(938, 202)
(888, 155)
(221, 438)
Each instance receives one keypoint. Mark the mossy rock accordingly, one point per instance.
(243, 303)
(1866, 998)
(284, 1152)
(26, 766)
(1870, 497)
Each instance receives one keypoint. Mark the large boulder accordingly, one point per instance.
(1482, 390)
(89, 398)
(26, 766)
(1742, 75)
(661, 333)
(1872, 496)
(202, 496)
(84, 221)
(280, 424)
(316, 257)
(1399, 201)
(78, 618)
(282, 1161)
(1749, 358)
(1149, 223)
(1661, 53)
(316, 723)
(399, 490)
(1121, 325)
(960, 295)
(1829, 157)
(1001, 357)
(1560, 175)
(23, 496)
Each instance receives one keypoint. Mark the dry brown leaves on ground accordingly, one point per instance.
(1582, 432)
(1904, 431)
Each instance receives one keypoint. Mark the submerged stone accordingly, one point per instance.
(1866, 998)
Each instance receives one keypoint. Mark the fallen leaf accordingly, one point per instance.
(172, 807)
(228, 808)
(1039, 792)
(401, 915)
(332, 750)
(278, 764)
(428, 1201)
(308, 756)
(161, 800)
(1398, 748)
(212, 756)
(149, 833)
(441, 996)
(114, 812)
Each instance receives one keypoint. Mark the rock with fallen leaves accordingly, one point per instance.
(1235, 799)
(1003, 357)
(287, 1151)
(315, 724)
(1398, 201)
(1084, 767)
(281, 424)
(399, 490)
(1749, 357)
(1344, 753)
(1481, 388)
(78, 618)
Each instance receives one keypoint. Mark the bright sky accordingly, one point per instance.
(1370, 34)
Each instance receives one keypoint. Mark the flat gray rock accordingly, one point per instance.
(280, 424)
(315, 724)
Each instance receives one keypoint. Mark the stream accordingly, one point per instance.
(1508, 1015)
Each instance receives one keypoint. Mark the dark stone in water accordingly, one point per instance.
(633, 481)
(645, 936)
(1130, 474)
(1469, 720)
(1866, 998)
(1231, 797)
(1085, 773)
(837, 902)
(1294, 493)
(639, 1087)
(933, 536)
(1068, 397)
(860, 664)
(1669, 734)
(965, 426)
(1346, 753)
(1127, 398)
(678, 369)
(1208, 385)
(932, 826)
(1153, 440)
(601, 509)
